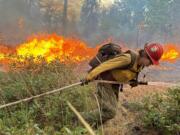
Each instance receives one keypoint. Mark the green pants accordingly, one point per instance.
(107, 95)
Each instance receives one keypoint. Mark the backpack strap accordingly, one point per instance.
(133, 59)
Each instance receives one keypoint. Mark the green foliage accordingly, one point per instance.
(48, 115)
(162, 112)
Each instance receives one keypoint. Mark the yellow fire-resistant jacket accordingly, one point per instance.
(120, 75)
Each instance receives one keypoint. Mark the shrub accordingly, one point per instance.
(162, 112)
(43, 115)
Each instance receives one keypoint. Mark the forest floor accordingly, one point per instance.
(126, 121)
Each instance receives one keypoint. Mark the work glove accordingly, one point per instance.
(133, 83)
(84, 82)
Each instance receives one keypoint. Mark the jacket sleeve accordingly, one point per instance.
(117, 62)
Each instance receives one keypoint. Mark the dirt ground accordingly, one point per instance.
(125, 123)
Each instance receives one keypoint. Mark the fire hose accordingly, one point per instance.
(61, 89)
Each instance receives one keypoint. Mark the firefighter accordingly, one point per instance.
(111, 70)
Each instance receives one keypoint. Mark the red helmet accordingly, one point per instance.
(154, 51)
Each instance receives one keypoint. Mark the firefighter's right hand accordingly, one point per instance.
(84, 82)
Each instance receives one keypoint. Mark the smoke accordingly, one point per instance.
(129, 22)
(18, 19)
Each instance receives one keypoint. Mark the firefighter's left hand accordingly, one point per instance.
(133, 83)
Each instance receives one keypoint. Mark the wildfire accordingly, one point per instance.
(171, 53)
(50, 47)
(53, 46)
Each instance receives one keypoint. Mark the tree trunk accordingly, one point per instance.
(64, 24)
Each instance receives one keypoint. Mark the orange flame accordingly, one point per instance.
(171, 53)
(51, 47)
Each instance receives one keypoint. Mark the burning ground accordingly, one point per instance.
(49, 47)
(53, 46)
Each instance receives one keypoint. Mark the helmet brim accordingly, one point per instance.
(154, 62)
